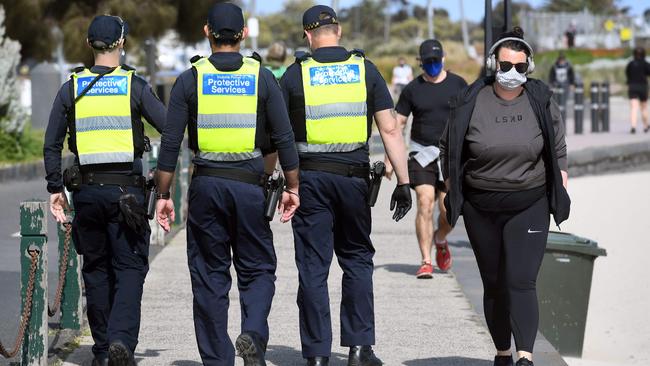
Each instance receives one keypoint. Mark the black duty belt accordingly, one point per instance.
(345, 170)
(113, 179)
(232, 174)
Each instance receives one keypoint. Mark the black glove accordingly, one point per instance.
(133, 213)
(402, 198)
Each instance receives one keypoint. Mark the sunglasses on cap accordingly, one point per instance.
(521, 67)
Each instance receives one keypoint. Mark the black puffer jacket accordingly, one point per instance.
(453, 139)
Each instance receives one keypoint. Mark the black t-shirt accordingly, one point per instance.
(637, 72)
(429, 104)
(378, 99)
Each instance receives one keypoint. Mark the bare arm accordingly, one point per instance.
(401, 122)
(391, 135)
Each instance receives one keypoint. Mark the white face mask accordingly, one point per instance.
(510, 80)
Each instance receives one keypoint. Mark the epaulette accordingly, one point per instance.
(78, 69)
(195, 58)
(358, 52)
(128, 67)
(301, 56)
(256, 56)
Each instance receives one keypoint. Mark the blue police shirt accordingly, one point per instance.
(271, 116)
(378, 99)
(144, 103)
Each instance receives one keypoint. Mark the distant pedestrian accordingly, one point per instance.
(504, 159)
(275, 57)
(637, 72)
(402, 75)
(427, 98)
(562, 77)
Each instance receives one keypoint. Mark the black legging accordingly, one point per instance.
(509, 248)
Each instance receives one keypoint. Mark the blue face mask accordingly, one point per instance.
(432, 69)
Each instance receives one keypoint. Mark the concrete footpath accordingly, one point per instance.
(430, 322)
(613, 211)
(418, 322)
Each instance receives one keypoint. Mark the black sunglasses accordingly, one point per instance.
(521, 67)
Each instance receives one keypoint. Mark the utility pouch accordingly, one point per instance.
(274, 188)
(377, 171)
(72, 179)
(150, 195)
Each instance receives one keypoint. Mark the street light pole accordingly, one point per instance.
(430, 18)
(251, 14)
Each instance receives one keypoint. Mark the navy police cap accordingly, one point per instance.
(317, 16)
(108, 29)
(226, 20)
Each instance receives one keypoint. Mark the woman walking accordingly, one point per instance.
(504, 159)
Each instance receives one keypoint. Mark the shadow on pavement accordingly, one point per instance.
(460, 244)
(408, 269)
(283, 355)
(448, 361)
(186, 363)
(148, 353)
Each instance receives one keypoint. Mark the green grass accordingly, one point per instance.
(27, 146)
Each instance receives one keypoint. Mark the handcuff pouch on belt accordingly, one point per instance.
(72, 179)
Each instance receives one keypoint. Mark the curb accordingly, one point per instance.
(597, 160)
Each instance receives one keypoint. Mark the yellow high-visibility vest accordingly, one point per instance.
(335, 105)
(227, 111)
(103, 126)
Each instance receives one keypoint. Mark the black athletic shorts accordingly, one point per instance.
(427, 175)
(638, 92)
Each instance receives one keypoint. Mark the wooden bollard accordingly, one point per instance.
(33, 231)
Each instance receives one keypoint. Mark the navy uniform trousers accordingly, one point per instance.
(333, 217)
(227, 216)
(115, 263)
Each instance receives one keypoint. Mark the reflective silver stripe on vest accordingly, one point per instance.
(103, 123)
(226, 156)
(334, 110)
(304, 147)
(101, 158)
(239, 120)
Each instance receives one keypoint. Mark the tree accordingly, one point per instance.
(191, 16)
(12, 115)
(594, 6)
(30, 22)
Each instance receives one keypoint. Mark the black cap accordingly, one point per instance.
(107, 29)
(226, 20)
(317, 16)
(431, 49)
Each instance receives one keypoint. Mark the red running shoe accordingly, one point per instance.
(443, 256)
(425, 271)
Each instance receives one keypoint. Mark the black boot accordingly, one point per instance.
(120, 355)
(363, 356)
(251, 348)
(318, 361)
(524, 362)
(502, 360)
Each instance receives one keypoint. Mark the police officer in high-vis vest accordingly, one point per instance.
(332, 96)
(229, 105)
(101, 109)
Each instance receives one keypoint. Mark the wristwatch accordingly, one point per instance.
(163, 196)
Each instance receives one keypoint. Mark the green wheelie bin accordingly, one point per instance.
(563, 288)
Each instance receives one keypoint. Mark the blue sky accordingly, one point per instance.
(473, 8)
